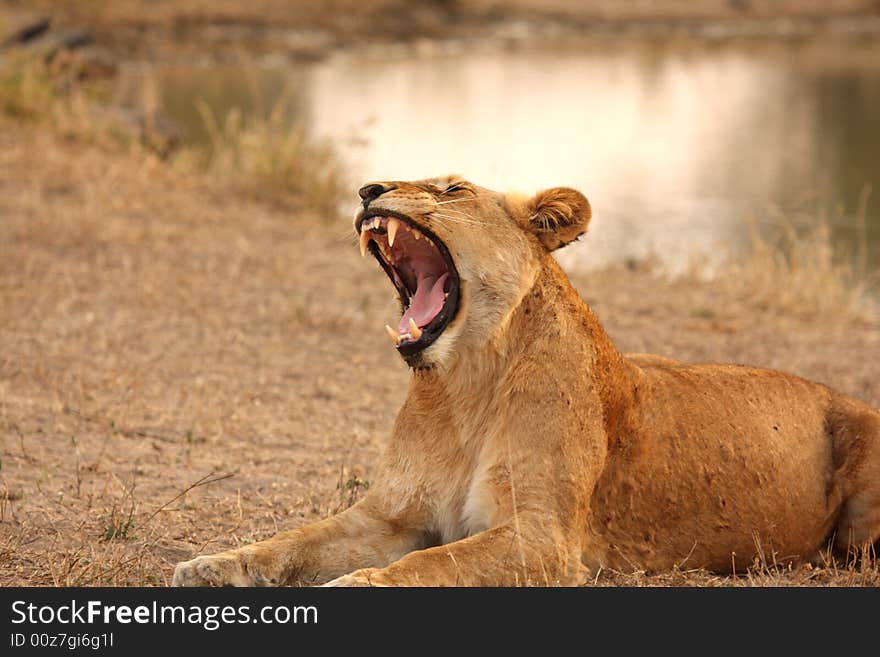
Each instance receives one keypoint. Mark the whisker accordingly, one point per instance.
(469, 221)
(457, 212)
(472, 218)
(348, 236)
(446, 216)
(454, 200)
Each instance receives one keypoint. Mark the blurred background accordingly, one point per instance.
(191, 351)
(687, 124)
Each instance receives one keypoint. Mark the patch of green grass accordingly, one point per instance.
(701, 312)
(193, 439)
(120, 525)
(350, 486)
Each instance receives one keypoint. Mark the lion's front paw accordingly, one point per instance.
(216, 570)
(363, 577)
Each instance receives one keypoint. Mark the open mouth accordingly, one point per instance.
(420, 267)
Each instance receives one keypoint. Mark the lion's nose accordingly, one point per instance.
(372, 191)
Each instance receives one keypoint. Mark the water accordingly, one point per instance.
(677, 147)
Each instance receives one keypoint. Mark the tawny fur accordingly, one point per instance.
(530, 451)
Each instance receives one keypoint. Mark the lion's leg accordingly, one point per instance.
(537, 532)
(535, 556)
(356, 538)
(856, 439)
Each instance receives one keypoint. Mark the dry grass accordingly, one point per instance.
(862, 568)
(164, 29)
(113, 14)
(27, 87)
(803, 271)
(157, 328)
(262, 157)
(50, 94)
(351, 15)
(269, 157)
(188, 368)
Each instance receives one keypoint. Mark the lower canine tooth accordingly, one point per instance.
(394, 334)
(414, 330)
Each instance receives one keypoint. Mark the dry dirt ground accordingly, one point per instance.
(184, 370)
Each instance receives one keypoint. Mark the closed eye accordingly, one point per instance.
(456, 187)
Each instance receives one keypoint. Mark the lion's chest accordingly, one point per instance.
(465, 508)
(457, 455)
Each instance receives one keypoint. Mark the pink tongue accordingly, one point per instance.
(426, 302)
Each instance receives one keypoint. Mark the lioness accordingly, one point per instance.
(529, 449)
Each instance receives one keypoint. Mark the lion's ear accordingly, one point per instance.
(558, 216)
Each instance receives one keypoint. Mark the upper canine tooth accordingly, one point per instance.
(393, 225)
(365, 240)
(414, 329)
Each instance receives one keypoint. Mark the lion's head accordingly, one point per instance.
(460, 256)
